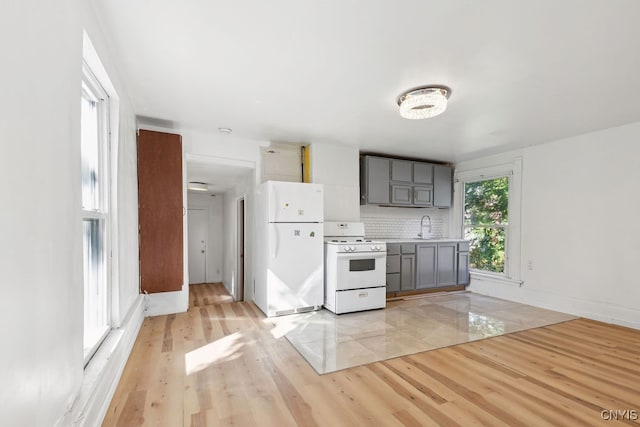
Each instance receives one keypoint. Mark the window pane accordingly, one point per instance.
(90, 151)
(95, 281)
(486, 202)
(486, 251)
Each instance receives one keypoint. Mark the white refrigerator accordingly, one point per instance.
(290, 265)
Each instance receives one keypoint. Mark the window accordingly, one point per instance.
(486, 223)
(94, 148)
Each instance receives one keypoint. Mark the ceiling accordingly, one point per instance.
(219, 177)
(521, 73)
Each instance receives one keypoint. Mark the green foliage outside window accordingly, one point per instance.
(486, 205)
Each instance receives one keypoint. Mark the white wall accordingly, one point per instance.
(337, 168)
(245, 187)
(579, 215)
(41, 247)
(213, 208)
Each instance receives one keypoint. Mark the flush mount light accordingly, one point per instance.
(198, 186)
(423, 102)
(225, 130)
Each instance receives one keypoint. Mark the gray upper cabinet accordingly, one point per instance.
(423, 196)
(397, 182)
(402, 171)
(401, 194)
(442, 186)
(423, 173)
(374, 180)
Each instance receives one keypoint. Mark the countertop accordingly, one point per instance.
(438, 240)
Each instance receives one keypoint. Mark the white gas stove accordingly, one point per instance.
(355, 269)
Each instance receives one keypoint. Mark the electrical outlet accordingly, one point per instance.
(530, 264)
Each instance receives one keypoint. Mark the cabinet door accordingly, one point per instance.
(407, 272)
(426, 266)
(423, 196)
(401, 194)
(442, 186)
(463, 268)
(160, 210)
(401, 171)
(447, 264)
(393, 282)
(393, 248)
(422, 173)
(393, 263)
(377, 180)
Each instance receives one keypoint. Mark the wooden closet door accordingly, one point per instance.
(160, 211)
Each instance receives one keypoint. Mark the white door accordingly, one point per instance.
(295, 271)
(197, 222)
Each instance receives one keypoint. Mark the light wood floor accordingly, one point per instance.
(239, 374)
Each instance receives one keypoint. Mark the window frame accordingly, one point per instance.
(103, 212)
(489, 168)
(505, 227)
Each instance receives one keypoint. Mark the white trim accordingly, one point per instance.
(495, 278)
(241, 246)
(575, 305)
(513, 246)
(103, 373)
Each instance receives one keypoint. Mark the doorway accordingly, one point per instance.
(197, 237)
(241, 249)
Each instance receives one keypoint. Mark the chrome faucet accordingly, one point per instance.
(421, 234)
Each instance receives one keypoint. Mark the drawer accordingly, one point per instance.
(393, 263)
(408, 248)
(463, 247)
(393, 282)
(361, 299)
(393, 248)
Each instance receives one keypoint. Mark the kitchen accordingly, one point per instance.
(521, 106)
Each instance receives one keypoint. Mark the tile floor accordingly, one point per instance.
(332, 342)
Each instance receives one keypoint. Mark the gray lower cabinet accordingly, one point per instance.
(436, 265)
(426, 265)
(393, 267)
(374, 180)
(393, 282)
(407, 267)
(419, 266)
(447, 264)
(463, 263)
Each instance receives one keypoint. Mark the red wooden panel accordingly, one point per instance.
(160, 211)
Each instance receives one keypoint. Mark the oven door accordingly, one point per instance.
(361, 270)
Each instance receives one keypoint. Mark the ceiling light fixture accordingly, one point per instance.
(198, 186)
(423, 102)
(225, 130)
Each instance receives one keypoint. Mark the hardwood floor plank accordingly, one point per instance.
(219, 364)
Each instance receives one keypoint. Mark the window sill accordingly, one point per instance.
(496, 278)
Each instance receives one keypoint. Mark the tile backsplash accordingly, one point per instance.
(403, 223)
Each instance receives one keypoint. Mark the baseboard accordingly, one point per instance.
(103, 373)
(167, 302)
(596, 310)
